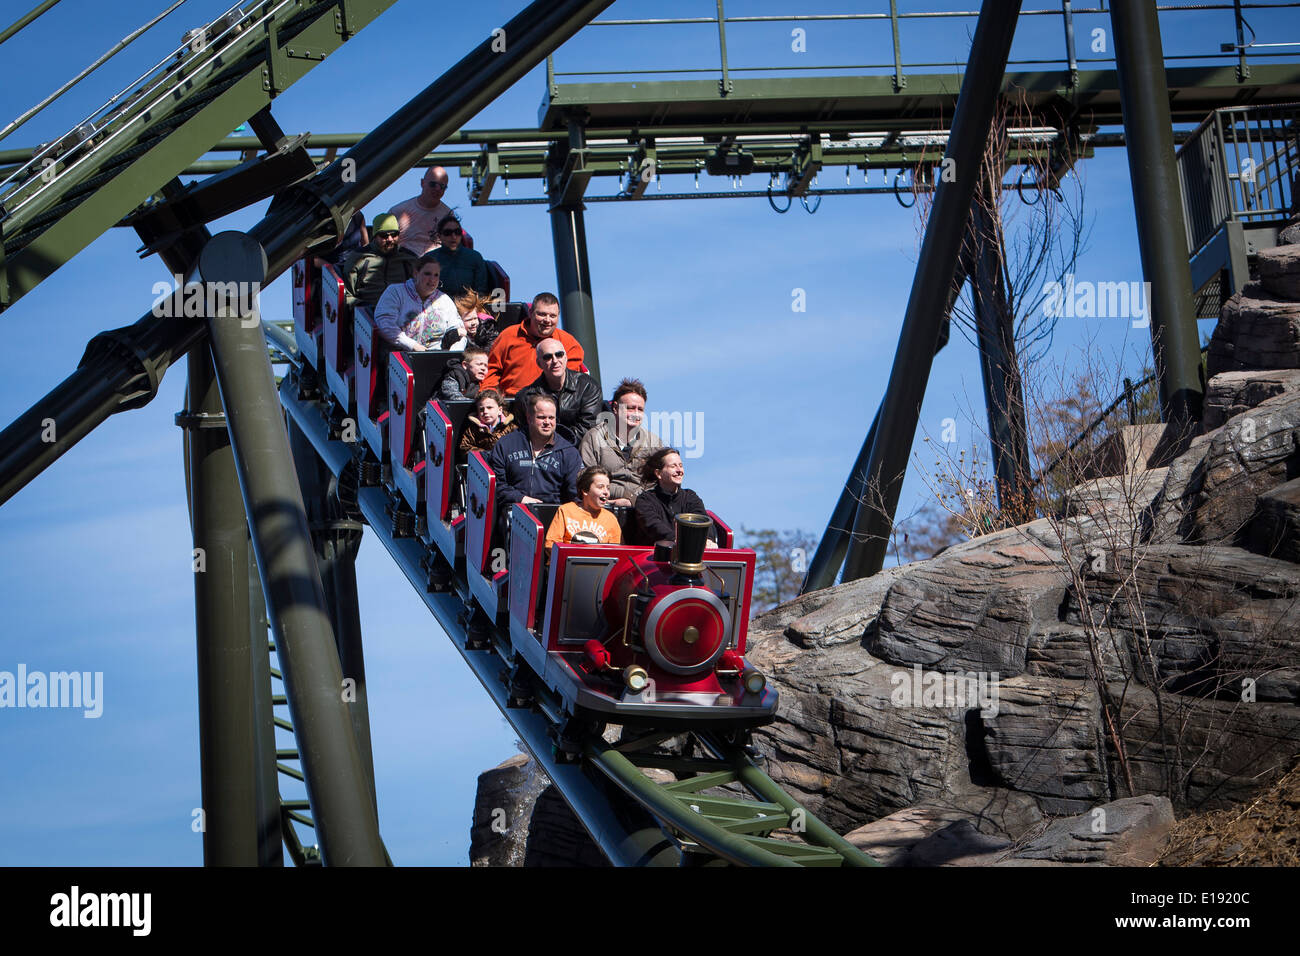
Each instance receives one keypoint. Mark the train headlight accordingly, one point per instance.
(754, 681)
(636, 679)
(686, 630)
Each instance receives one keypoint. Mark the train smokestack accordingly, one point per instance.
(688, 551)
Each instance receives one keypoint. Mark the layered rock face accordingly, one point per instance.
(1054, 693)
(521, 820)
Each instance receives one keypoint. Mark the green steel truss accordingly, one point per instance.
(734, 824)
(75, 188)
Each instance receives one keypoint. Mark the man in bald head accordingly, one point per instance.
(418, 218)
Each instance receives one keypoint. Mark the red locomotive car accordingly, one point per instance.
(621, 634)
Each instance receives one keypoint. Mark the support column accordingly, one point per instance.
(337, 539)
(270, 840)
(995, 326)
(1158, 205)
(337, 788)
(221, 619)
(569, 235)
(944, 232)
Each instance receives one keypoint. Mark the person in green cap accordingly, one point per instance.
(372, 269)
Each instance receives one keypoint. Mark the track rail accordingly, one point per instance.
(627, 811)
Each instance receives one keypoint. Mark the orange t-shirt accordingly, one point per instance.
(573, 518)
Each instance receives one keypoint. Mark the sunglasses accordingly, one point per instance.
(553, 357)
(451, 232)
(430, 182)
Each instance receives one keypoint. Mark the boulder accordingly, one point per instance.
(1124, 452)
(957, 844)
(1210, 490)
(1000, 816)
(1279, 271)
(503, 805)
(832, 616)
(1275, 528)
(842, 747)
(971, 610)
(520, 819)
(556, 837)
(1127, 832)
(1198, 620)
(1045, 740)
(1202, 754)
(1255, 331)
(1115, 508)
(1229, 394)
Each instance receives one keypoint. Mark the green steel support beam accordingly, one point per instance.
(817, 831)
(872, 103)
(733, 848)
(569, 235)
(122, 368)
(338, 790)
(25, 19)
(1158, 206)
(224, 639)
(1004, 399)
(336, 540)
(834, 543)
(931, 288)
(270, 838)
(64, 221)
(236, 737)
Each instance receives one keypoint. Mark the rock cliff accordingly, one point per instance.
(1055, 693)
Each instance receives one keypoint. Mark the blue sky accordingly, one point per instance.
(693, 297)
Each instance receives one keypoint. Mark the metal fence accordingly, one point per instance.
(1068, 59)
(1240, 164)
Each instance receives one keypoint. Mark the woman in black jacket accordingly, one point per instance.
(657, 506)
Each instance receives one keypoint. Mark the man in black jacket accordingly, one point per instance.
(577, 396)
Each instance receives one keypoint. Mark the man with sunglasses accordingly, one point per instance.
(463, 269)
(577, 396)
(372, 269)
(418, 218)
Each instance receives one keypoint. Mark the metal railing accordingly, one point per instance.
(1240, 164)
(1234, 50)
(106, 126)
(1129, 398)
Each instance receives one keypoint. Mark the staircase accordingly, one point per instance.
(77, 186)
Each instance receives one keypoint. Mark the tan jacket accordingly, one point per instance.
(600, 447)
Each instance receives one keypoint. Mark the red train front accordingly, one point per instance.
(637, 633)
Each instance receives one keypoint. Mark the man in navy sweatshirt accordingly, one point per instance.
(535, 466)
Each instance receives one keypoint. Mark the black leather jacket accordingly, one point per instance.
(577, 404)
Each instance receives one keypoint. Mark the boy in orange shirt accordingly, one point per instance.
(586, 522)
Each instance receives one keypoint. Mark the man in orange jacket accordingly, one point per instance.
(512, 364)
